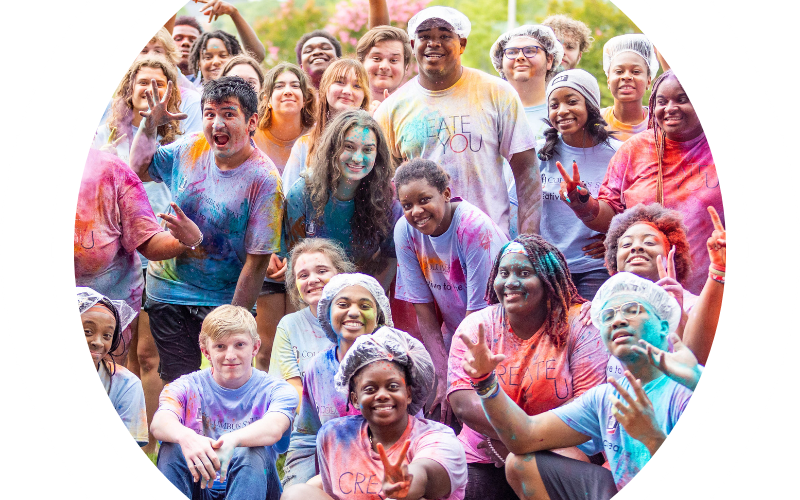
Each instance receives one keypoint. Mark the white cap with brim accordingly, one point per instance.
(630, 285)
(447, 17)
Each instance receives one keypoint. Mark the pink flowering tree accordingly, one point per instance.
(350, 18)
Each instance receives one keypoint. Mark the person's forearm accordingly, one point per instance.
(431, 332)
(166, 427)
(698, 335)
(595, 214)
(250, 281)
(297, 383)
(161, 246)
(467, 407)
(386, 276)
(264, 432)
(420, 483)
(170, 25)
(512, 425)
(378, 13)
(249, 38)
(528, 182)
(143, 148)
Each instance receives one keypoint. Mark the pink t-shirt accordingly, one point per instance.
(351, 469)
(536, 374)
(112, 219)
(690, 185)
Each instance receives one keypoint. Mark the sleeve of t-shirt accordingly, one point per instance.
(515, 134)
(588, 357)
(480, 246)
(444, 449)
(457, 379)
(611, 189)
(137, 220)
(173, 398)
(266, 216)
(296, 164)
(581, 415)
(383, 117)
(294, 217)
(282, 362)
(411, 285)
(190, 104)
(131, 409)
(160, 169)
(283, 399)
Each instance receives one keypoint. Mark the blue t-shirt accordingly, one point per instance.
(590, 414)
(124, 390)
(239, 212)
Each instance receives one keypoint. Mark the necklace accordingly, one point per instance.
(268, 131)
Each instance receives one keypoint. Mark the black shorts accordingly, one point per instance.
(270, 287)
(176, 332)
(566, 478)
(487, 482)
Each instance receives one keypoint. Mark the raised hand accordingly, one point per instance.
(680, 365)
(396, 479)
(716, 243)
(158, 115)
(181, 227)
(571, 185)
(668, 276)
(479, 360)
(111, 145)
(596, 249)
(215, 8)
(638, 417)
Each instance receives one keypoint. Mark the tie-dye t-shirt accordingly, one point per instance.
(112, 220)
(124, 390)
(591, 415)
(298, 338)
(467, 129)
(690, 185)
(239, 212)
(624, 131)
(351, 469)
(536, 374)
(451, 269)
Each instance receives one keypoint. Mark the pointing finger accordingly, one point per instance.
(715, 219)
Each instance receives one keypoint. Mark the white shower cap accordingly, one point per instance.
(636, 43)
(88, 297)
(545, 36)
(339, 283)
(625, 283)
(390, 344)
(445, 17)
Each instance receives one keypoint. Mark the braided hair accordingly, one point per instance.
(552, 270)
(199, 46)
(595, 126)
(659, 134)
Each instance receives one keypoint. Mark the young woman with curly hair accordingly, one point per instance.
(347, 195)
(210, 52)
(550, 356)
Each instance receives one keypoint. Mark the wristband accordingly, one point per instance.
(193, 245)
(474, 381)
(486, 385)
(716, 267)
(588, 211)
(717, 278)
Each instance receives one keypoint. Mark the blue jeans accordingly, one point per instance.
(589, 282)
(251, 475)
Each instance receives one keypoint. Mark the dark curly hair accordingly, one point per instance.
(298, 49)
(418, 169)
(595, 127)
(552, 269)
(199, 45)
(668, 221)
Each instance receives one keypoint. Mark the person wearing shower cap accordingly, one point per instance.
(352, 305)
(104, 320)
(630, 64)
(628, 419)
(464, 120)
(386, 452)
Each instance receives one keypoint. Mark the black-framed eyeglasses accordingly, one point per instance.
(529, 51)
(629, 310)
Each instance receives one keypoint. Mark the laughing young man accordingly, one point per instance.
(222, 181)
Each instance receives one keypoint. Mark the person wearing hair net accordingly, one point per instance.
(386, 452)
(104, 320)
(628, 419)
(464, 120)
(630, 64)
(352, 305)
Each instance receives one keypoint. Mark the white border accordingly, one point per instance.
(736, 440)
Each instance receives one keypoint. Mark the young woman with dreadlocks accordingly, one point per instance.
(550, 356)
(669, 163)
(210, 52)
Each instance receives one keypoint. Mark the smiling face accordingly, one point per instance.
(424, 207)
(568, 114)
(384, 65)
(628, 77)
(675, 113)
(345, 93)
(438, 52)
(142, 83)
(98, 326)
(248, 74)
(620, 333)
(287, 96)
(518, 288)
(184, 36)
(226, 127)
(524, 69)
(359, 151)
(381, 393)
(231, 358)
(312, 271)
(638, 249)
(353, 313)
(316, 55)
(213, 58)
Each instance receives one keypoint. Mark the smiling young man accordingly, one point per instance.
(233, 191)
(218, 426)
(385, 52)
(627, 419)
(316, 51)
(463, 119)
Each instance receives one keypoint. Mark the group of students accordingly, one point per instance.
(314, 214)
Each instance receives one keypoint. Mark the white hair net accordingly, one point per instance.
(390, 344)
(628, 284)
(636, 43)
(545, 36)
(339, 283)
(88, 297)
(452, 19)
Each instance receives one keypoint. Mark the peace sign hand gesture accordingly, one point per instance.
(479, 360)
(638, 417)
(396, 479)
(668, 276)
(717, 242)
(158, 115)
(680, 365)
(571, 187)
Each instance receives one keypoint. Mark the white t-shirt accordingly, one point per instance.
(296, 164)
(451, 269)
(124, 390)
(298, 338)
(467, 129)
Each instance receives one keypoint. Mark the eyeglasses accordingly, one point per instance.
(629, 310)
(529, 51)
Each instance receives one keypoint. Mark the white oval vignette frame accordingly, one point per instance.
(64, 438)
